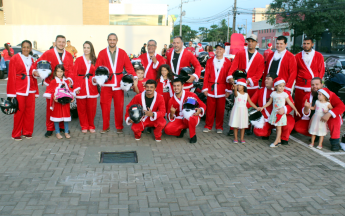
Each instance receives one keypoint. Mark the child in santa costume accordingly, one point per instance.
(318, 127)
(278, 99)
(23, 86)
(87, 93)
(239, 112)
(60, 112)
(164, 83)
(139, 84)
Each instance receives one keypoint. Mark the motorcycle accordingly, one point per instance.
(334, 79)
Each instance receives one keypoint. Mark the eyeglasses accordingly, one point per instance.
(151, 45)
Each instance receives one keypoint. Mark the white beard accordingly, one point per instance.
(44, 73)
(259, 123)
(308, 57)
(187, 113)
(100, 80)
(125, 86)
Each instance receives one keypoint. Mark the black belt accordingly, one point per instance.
(87, 75)
(23, 75)
(215, 84)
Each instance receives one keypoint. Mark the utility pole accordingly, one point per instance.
(181, 20)
(227, 36)
(234, 19)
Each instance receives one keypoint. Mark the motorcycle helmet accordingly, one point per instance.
(189, 106)
(256, 118)
(44, 69)
(184, 72)
(202, 58)
(73, 105)
(9, 106)
(136, 113)
(63, 95)
(240, 74)
(136, 63)
(126, 82)
(101, 75)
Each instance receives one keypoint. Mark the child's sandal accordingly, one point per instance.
(319, 147)
(311, 145)
(67, 135)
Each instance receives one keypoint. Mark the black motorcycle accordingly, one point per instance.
(334, 79)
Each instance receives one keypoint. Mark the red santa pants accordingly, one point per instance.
(299, 103)
(49, 124)
(334, 124)
(251, 92)
(158, 124)
(87, 111)
(23, 119)
(174, 128)
(215, 107)
(166, 96)
(286, 130)
(107, 95)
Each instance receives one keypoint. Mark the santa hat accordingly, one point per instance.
(199, 44)
(241, 82)
(325, 92)
(227, 44)
(269, 45)
(278, 81)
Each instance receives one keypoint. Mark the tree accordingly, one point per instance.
(216, 32)
(187, 33)
(311, 17)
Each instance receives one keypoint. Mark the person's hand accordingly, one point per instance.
(281, 111)
(191, 78)
(94, 80)
(248, 82)
(205, 93)
(172, 110)
(325, 111)
(326, 117)
(149, 112)
(306, 104)
(231, 80)
(198, 111)
(297, 113)
(56, 100)
(70, 84)
(135, 82)
(227, 94)
(35, 73)
(154, 59)
(72, 100)
(259, 109)
(130, 121)
(77, 92)
(234, 86)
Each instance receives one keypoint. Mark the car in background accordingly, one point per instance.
(18, 49)
(204, 44)
(186, 44)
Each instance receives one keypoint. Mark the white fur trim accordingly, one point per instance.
(289, 89)
(154, 118)
(47, 95)
(241, 83)
(332, 113)
(251, 82)
(196, 77)
(11, 95)
(285, 110)
(65, 119)
(202, 112)
(228, 77)
(324, 93)
(171, 120)
(279, 82)
(155, 65)
(259, 124)
(206, 89)
(306, 89)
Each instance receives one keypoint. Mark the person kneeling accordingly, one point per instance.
(179, 115)
(153, 111)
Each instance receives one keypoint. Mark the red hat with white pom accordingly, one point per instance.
(325, 92)
(278, 81)
(242, 82)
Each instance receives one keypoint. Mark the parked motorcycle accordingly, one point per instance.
(334, 79)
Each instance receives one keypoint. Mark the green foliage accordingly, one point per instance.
(187, 33)
(216, 32)
(312, 17)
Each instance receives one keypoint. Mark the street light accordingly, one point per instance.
(239, 28)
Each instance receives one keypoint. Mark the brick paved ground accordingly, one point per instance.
(213, 177)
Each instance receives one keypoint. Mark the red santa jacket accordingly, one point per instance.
(287, 68)
(157, 106)
(186, 59)
(337, 104)
(59, 112)
(218, 79)
(254, 68)
(161, 83)
(17, 70)
(267, 53)
(306, 72)
(262, 96)
(121, 61)
(54, 58)
(151, 68)
(178, 104)
(84, 83)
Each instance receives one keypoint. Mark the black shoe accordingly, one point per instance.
(193, 139)
(265, 138)
(62, 130)
(335, 144)
(230, 133)
(249, 132)
(316, 139)
(48, 134)
(149, 130)
(182, 133)
(284, 142)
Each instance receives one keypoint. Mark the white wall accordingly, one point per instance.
(138, 9)
(131, 38)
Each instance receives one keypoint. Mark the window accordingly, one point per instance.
(140, 20)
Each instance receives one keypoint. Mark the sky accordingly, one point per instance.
(205, 8)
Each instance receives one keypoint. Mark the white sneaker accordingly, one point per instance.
(273, 146)
(206, 130)
(158, 140)
(6, 79)
(219, 131)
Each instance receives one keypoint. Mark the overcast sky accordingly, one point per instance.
(207, 8)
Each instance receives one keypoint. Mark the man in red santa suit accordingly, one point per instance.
(199, 49)
(154, 108)
(55, 56)
(310, 64)
(282, 64)
(263, 128)
(22, 86)
(216, 89)
(332, 117)
(151, 61)
(180, 58)
(268, 51)
(250, 60)
(115, 59)
(178, 124)
(190, 47)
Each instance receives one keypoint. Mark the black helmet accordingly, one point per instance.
(254, 115)
(136, 63)
(184, 72)
(44, 69)
(190, 103)
(202, 58)
(102, 70)
(126, 82)
(127, 78)
(9, 106)
(136, 113)
(239, 74)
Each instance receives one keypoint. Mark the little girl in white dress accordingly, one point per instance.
(316, 126)
(278, 99)
(239, 112)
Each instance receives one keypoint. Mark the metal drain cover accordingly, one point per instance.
(119, 157)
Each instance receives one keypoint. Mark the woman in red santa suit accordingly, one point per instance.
(164, 83)
(87, 93)
(210, 51)
(22, 86)
(310, 64)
